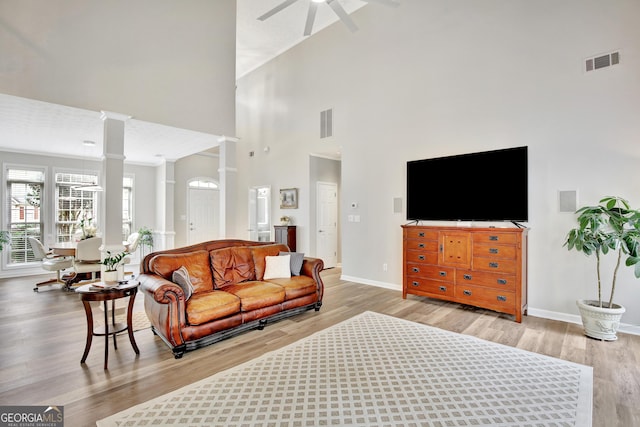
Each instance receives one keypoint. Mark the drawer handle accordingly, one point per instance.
(442, 273)
(415, 269)
(467, 293)
(493, 238)
(415, 283)
(493, 264)
(421, 245)
(502, 298)
(421, 257)
(421, 234)
(443, 288)
(502, 281)
(493, 250)
(467, 277)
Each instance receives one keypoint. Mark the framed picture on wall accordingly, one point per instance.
(289, 198)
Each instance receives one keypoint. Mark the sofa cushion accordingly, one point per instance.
(277, 267)
(296, 286)
(207, 306)
(232, 265)
(254, 295)
(261, 252)
(197, 263)
(297, 258)
(181, 277)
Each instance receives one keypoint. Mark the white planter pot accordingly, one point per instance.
(600, 323)
(110, 276)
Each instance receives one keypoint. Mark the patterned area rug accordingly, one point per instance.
(140, 320)
(377, 370)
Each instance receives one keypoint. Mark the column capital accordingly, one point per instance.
(104, 115)
(225, 138)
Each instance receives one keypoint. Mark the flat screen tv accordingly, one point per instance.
(483, 186)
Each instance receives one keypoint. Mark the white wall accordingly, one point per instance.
(436, 78)
(159, 61)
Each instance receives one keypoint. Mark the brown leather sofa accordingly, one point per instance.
(230, 294)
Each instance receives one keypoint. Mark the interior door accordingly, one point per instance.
(327, 223)
(204, 214)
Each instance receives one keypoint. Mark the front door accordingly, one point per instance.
(204, 215)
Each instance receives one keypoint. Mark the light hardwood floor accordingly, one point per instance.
(43, 336)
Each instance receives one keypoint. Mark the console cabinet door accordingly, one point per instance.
(455, 249)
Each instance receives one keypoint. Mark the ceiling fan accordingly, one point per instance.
(313, 6)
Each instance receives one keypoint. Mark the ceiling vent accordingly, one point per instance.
(602, 61)
(326, 123)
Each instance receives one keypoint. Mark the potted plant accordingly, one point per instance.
(609, 227)
(146, 239)
(4, 239)
(111, 263)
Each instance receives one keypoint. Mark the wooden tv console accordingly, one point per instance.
(482, 267)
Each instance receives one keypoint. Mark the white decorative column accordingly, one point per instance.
(227, 174)
(112, 171)
(164, 236)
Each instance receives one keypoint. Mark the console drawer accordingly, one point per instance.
(422, 245)
(429, 286)
(489, 280)
(422, 257)
(494, 265)
(418, 233)
(504, 301)
(494, 251)
(434, 272)
(497, 237)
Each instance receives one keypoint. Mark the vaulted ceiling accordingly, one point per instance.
(26, 123)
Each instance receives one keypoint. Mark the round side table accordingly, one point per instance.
(90, 293)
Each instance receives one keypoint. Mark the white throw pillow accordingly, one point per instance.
(278, 267)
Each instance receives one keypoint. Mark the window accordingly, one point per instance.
(127, 207)
(74, 203)
(25, 191)
(203, 184)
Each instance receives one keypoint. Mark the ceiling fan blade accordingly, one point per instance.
(343, 15)
(390, 3)
(276, 9)
(311, 17)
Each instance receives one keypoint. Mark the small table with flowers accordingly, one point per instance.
(108, 292)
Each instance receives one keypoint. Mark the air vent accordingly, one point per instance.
(602, 61)
(326, 123)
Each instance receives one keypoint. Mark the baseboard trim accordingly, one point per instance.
(536, 312)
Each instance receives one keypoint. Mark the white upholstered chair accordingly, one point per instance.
(88, 255)
(49, 262)
(131, 246)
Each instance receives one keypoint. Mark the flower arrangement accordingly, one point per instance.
(111, 262)
(87, 226)
(285, 220)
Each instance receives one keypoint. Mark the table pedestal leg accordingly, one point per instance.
(87, 346)
(106, 335)
(130, 322)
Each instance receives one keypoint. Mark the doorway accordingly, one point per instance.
(260, 213)
(203, 210)
(327, 223)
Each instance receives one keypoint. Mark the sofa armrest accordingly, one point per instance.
(312, 267)
(165, 306)
(162, 290)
